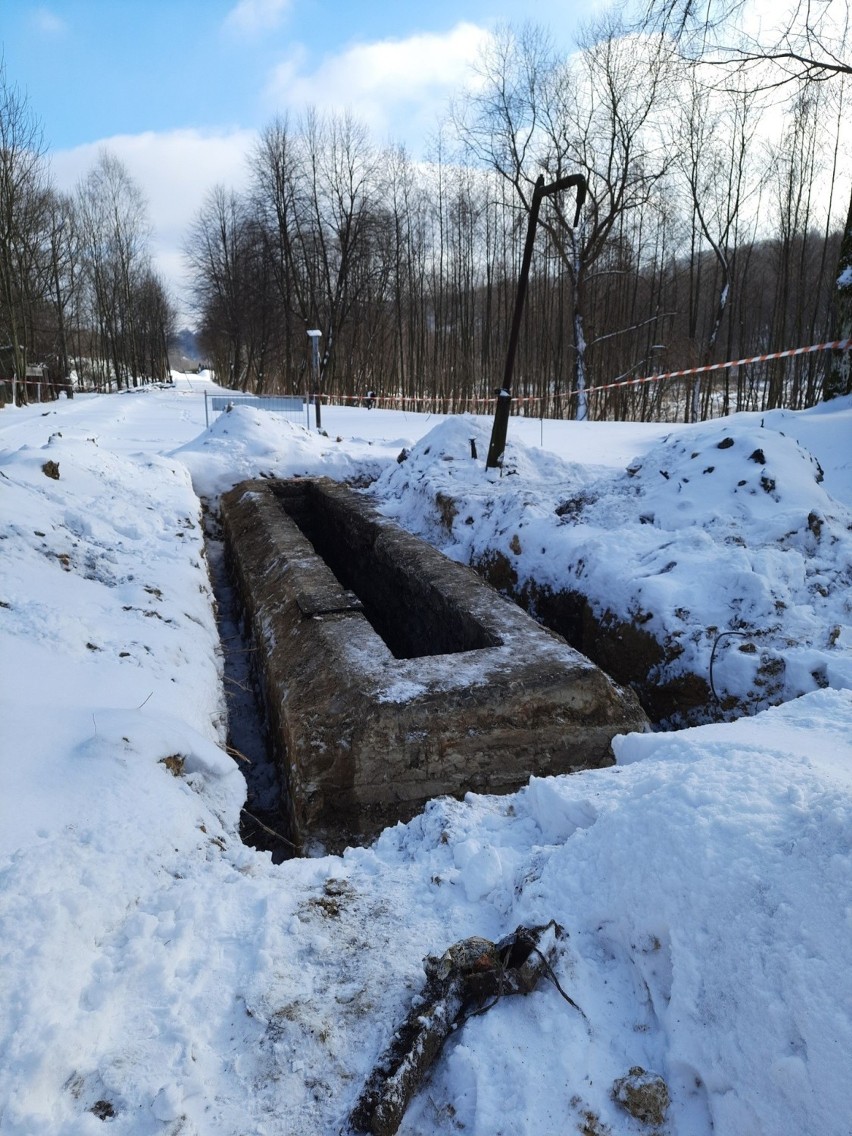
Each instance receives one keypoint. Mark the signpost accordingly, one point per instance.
(314, 335)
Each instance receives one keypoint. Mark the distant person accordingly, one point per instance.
(370, 399)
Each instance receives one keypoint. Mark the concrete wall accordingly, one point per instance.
(450, 688)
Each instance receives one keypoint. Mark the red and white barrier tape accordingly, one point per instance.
(837, 345)
(396, 400)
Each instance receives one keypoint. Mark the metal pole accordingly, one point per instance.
(318, 395)
(504, 395)
(314, 335)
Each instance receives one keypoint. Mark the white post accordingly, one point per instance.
(314, 335)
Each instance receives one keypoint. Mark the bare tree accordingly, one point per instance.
(113, 218)
(64, 287)
(839, 379)
(217, 250)
(714, 134)
(341, 169)
(810, 44)
(155, 325)
(23, 200)
(410, 270)
(277, 203)
(536, 112)
(809, 41)
(407, 214)
(314, 190)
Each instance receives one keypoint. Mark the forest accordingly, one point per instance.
(717, 214)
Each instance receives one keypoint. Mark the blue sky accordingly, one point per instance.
(178, 88)
(97, 68)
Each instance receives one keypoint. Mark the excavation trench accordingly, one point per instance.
(389, 674)
(247, 738)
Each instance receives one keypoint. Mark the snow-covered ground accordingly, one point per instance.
(728, 542)
(158, 977)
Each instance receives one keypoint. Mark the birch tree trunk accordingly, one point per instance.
(839, 381)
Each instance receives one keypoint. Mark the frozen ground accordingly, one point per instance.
(157, 977)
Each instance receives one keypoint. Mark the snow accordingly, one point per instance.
(159, 977)
(731, 527)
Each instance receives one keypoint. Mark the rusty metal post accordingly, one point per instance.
(504, 395)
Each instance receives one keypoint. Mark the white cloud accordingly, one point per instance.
(48, 22)
(253, 16)
(397, 87)
(174, 170)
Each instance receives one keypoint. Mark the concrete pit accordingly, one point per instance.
(392, 675)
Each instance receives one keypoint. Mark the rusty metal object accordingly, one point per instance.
(504, 395)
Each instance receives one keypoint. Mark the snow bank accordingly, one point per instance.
(698, 882)
(159, 978)
(720, 528)
(106, 589)
(244, 443)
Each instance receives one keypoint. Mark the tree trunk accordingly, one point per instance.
(839, 381)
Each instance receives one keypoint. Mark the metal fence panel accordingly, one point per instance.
(291, 405)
